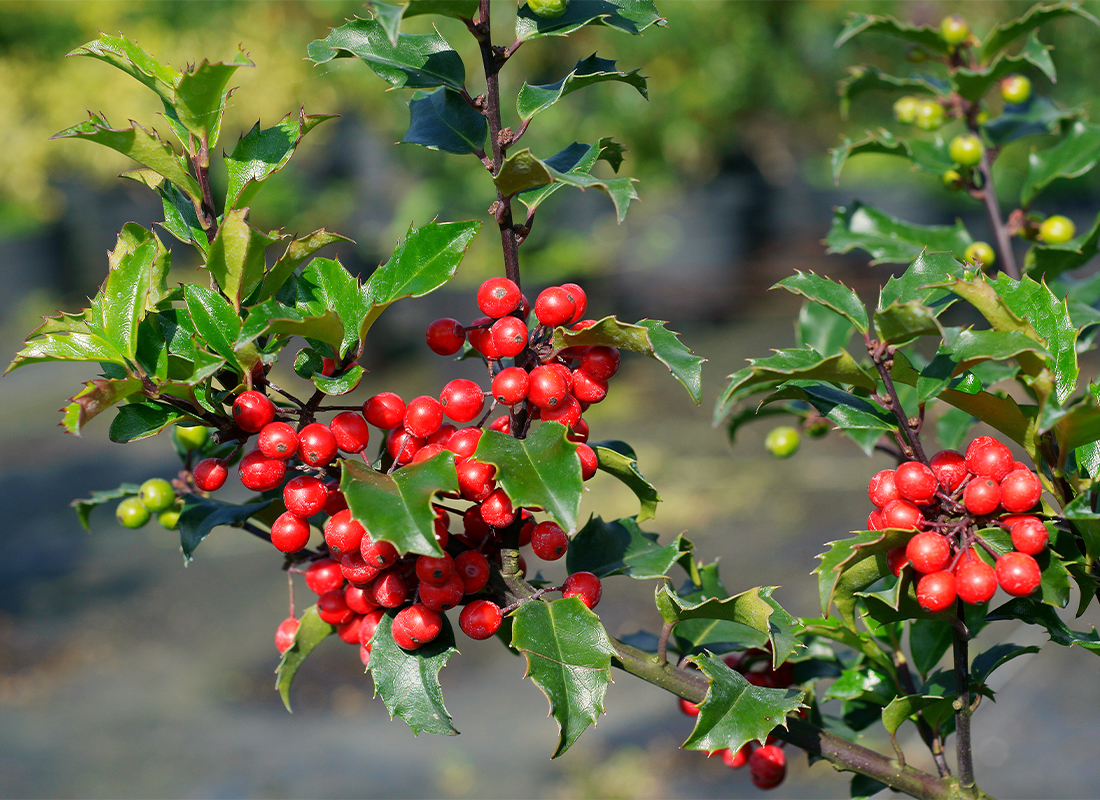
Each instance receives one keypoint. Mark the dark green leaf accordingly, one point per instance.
(201, 94)
(442, 120)
(201, 515)
(734, 711)
(928, 641)
(326, 285)
(631, 16)
(218, 326)
(522, 172)
(409, 682)
(862, 682)
(888, 239)
(999, 654)
(259, 154)
(417, 61)
(822, 329)
(861, 421)
(1034, 612)
(575, 160)
(930, 156)
(851, 565)
(902, 708)
(533, 99)
(620, 547)
(972, 84)
(397, 508)
(339, 384)
(863, 788)
(389, 17)
(1006, 33)
(859, 641)
(84, 507)
(311, 631)
(863, 78)
(96, 397)
(952, 428)
(236, 257)
(1047, 261)
(923, 35)
(141, 420)
(569, 658)
(1037, 116)
(619, 459)
(1077, 153)
(901, 323)
(1086, 522)
(830, 294)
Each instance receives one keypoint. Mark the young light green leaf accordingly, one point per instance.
(96, 397)
(339, 384)
(923, 35)
(631, 16)
(1034, 612)
(325, 285)
(863, 78)
(830, 294)
(458, 9)
(569, 658)
(575, 160)
(619, 459)
(409, 682)
(201, 94)
(620, 547)
(903, 707)
(131, 59)
(541, 471)
(901, 323)
(734, 711)
(443, 120)
(533, 99)
(200, 515)
(930, 156)
(890, 240)
(84, 506)
(397, 508)
(236, 257)
(1076, 154)
(1006, 33)
(259, 154)
(298, 251)
(920, 281)
(312, 630)
(417, 61)
(273, 317)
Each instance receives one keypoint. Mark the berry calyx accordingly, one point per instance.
(480, 619)
(260, 473)
(782, 442)
(210, 474)
(132, 513)
(157, 495)
(252, 410)
(584, 585)
(1057, 229)
(1018, 574)
(433, 570)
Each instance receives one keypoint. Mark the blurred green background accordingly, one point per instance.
(122, 674)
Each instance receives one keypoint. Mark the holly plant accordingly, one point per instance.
(437, 516)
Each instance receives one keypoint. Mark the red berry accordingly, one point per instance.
(975, 581)
(305, 495)
(380, 554)
(332, 608)
(498, 297)
(982, 496)
(689, 708)
(390, 589)
(445, 336)
(578, 432)
(896, 559)
(473, 568)
(916, 482)
(358, 601)
(480, 619)
(949, 468)
(324, 575)
(403, 446)
(461, 400)
(435, 570)
(739, 759)
(767, 766)
(928, 552)
(328, 366)
(343, 534)
(568, 412)
(349, 631)
(903, 515)
(336, 501)
(369, 625)
(442, 435)
(509, 336)
(278, 440)
(316, 444)
(423, 416)
(260, 473)
(443, 597)
(350, 431)
(501, 424)
(875, 521)
(210, 474)
(1018, 574)
(549, 541)
(587, 389)
(554, 307)
(497, 510)
(289, 533)
(936, 591)
(285, 633)
(415, 626)
(384, 411)
(1020, 490)
(988, 458)
(357, 570)
(1029, 535)
(600, 363)
(579, 298)
(589, 461)
(882, 489)
(510, 386)
(475, 530)
(475, 479)
(427, 451)
(252, 410)
(463, 442)
(484, 344)
(584, 585)
(547, 387)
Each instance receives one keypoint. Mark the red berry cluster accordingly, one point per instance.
(947, 501)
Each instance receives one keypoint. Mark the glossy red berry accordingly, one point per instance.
(441, 598)
(896, 559)
(988, 458)
(415, 626)
(578, 432)
(498, 297)
(876, 521)
(349, 631)
(445, 336)
(501, 424)
(916, 482)
(497, 509)
(435, 570)
(278, 440)
(442, 435)
(380, 554)
(358, 601)
(370, 624)
(510, 386)
(1018, 574)
(882, 488)
(982, 496)
(289, 533)
(737, 759)
(903, 515)
(480, 619)
(554, 307)
(260, 473)
(549, 541)
(547, 387)
(473, 568)
(285, 633)
(936, 591)
(316, 445)
(427, 451)
(323, 576)
(689, 708)
(336, 501)
(464, 441)
(210, 474)
(949, 468)
(568, 412)
(587, 389)
(462, 400)
(509, 336)
(975, 581)
(1020, 490)
(343, 534)
(305, 495)
(252, 410)
(579, 298)
(385, 411)
(601, 363)
(475, 479)
(767, 766)
(390, 589)
(350, 431)
(423, 416)
(403, 446)
(333, 608)
(584, 585)
(928, 552)
(1029, 535)
(356, 569)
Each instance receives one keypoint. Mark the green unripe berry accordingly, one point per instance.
(816, 428)
(928, 115)
(952, 179)
(1057, 229)
(191, 438)
(1015, 89)
(980, 253)
(169, 519)
(982, 118)
(966, 150)
(954, 30)
(782, 441)
(131, 513)
(905, 109)
(548, 8)
(157, 494)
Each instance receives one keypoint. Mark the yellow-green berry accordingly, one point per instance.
(132, 513)
(548, 8)
(928, 115)
(954, 30)
(192, 438)
(952, 179)
(157, 494)
(905, 109)
(1015, 89)
(169, 519)
(980, 253)
(966, 150)
(1057, 229)
(782, 442)
(982, 118)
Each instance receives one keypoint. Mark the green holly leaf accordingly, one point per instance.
(96, 397)
(861, 682)
(859, 420)
(865, 78)
(1035, 612)
(734, 711)
(648, 337)
(343, 383)
(920, 282)
(923, 35)
(261, 153)
(851, 565)
(890, 240)
(218, 326)
(523, 172)
(273, 317)
(131, 59)
(972, 84)
(458, 9)
(298, 251)
(952, 428)
(831, 294)
(200, 515)
(996, 656)
(84, 507)
(533, 99)
(1076, 154)
(630, 16)
(201, 94)
(619, 459)
(417, 61)
(443, 120)
(822, 329)
(620, 547)
(541, 471)
(927, 155)
(408, 682)
(1048, 261)
(905, 707)
(901, 323)
(1038, 115)
(575, 160)
(1086, 522)
(569, 658)
(236, 256)
(695, 635)
(1006, 33)
(325, 285)
(143, 146)
(311, 631)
